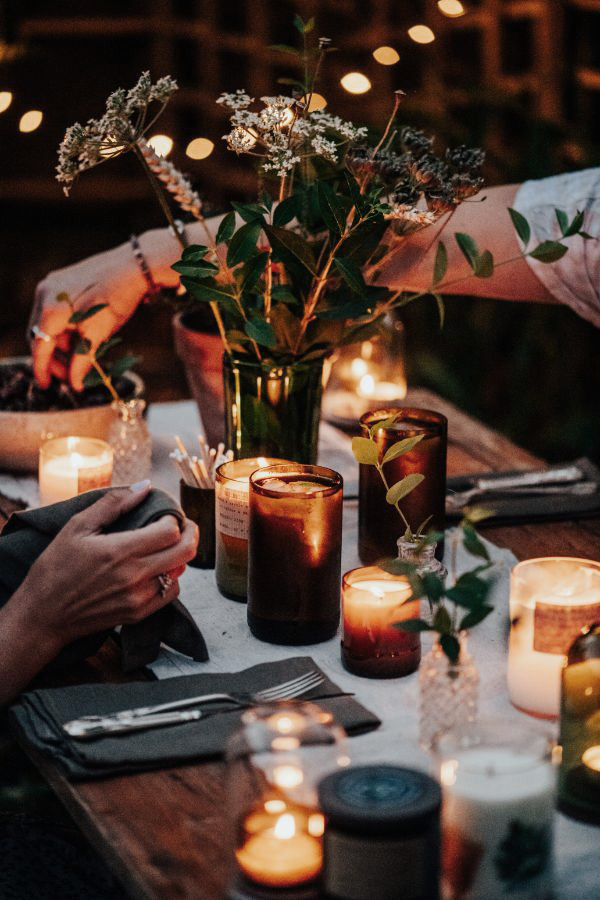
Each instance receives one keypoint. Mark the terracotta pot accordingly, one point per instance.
(21, 433)
(201, 353)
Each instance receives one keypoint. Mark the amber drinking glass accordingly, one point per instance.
(294, 553)
(379, 525)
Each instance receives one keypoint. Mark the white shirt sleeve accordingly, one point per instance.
(574, 279)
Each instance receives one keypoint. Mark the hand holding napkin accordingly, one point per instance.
(27, 534)
(40, 715)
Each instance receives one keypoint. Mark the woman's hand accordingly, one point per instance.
(86, 581)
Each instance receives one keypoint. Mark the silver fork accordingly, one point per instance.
(174, 712)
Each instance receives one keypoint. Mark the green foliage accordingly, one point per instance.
(403, 487)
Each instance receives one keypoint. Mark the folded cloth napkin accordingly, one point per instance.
(27, 534)
(509, 509)
(39, 716)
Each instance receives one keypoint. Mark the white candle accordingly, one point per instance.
(498, 807)
(550, 601)
(71, 465)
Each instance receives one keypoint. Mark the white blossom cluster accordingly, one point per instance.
(283, 132)
(124, 122)
(403, 212)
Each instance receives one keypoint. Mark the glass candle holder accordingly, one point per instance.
(231, 524)
(379, 525)
(199, 505)
(551, 600)
(372, 601)
(294, 558)
(498, 786)
(579, 777)
(71, 465)
(274, 763)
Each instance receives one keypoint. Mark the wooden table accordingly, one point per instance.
(162, 832)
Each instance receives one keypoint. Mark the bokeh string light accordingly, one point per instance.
(386, 56)
(421, 34)
(199, 148)
(451, 8)
(355, 83)
(162, 144)
(6, 99)
(30, 121)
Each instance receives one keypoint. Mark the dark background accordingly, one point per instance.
(522, 79)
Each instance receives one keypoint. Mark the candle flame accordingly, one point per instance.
(316, 825)
(285, 827)
(288, 776)
(448, 772)
(358, 367)
(366, 386)
(274, 806)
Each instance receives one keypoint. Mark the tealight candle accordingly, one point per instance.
(71, 465)
(497, 813)
(231, 524)
(280, 855)
(372, 601)
(551, 600)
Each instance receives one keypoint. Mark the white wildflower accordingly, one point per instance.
(324, 120)
(240, 140)
(325, 148)
(238, 100)
(279, 102)
(403, 212)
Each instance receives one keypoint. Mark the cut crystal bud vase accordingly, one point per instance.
(421, 557)
(272, 410)
(130, 439)
(448, 692)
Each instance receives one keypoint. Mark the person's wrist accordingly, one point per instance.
(160, 250)
(30, 626)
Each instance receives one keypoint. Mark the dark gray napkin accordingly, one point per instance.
(512, 509)
(38, 718)
(27, 534)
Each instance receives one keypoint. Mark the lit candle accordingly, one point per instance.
(372, 601)
(231, 524)
(497, 814)
(591, 761)
(280, 855)
(551, 600)
(71, 465)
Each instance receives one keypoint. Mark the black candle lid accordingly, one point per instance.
(379, 799)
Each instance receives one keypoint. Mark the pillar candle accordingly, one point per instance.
(71, 465)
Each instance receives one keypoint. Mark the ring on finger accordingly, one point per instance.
(36, 332)
(165, 583)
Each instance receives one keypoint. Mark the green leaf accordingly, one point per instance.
(194, 253)
(484, 265)
(351, 274)
(226, 229)
(283, 294)
(353, 309)
(362, 203)
(413, 626)
(81, 316)
(403, 487)
(441, 263)
(195, 272)
(92, 379)
(284, 212)
(475, 616)
(549, 251)
(422, 527)
(365, 451)
(442, 622)
(468, 248)
(451, 647)
(206, 291)
(243, 243)
(334, 208)
(469, 591)
(107, 345)
(260, 331)
(521, 225)
(122, 365)
(475, 514)
(289, 245)
(84, 346)
(441, 308)
(383, 423)
(285, 48)
(576, 224)
(303, 27)
(401, 447)
(563, 221)
(249, 212)
(433, 586)
(253, 269)
(472, 542)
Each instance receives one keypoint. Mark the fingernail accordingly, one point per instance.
(139, 486)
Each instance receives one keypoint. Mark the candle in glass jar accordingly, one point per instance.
(294, 553)
(379, 525)
(279, 855)
(498, 787)
(231, 524)
(71, 465)
(551, 600)
(372, 601)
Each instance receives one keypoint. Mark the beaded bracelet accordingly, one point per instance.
(153, 288)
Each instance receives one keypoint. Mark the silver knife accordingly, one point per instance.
(82, 730)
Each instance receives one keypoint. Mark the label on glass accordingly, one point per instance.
(231, 511)
(556, 626)
(93, 478)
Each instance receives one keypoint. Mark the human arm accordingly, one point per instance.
(87, 581)
(113, 278)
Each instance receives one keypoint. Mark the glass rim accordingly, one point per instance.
(378, 573)
(522, 565)
(384, 412)
(51, 446)
(300, 469)
(220, 472)
(536, 744)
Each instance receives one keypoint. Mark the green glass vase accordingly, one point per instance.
(272, 410)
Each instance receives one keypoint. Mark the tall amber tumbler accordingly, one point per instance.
(294, 553)
(379, 525)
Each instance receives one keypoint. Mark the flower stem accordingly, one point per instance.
(396, 504)
(105, 378)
